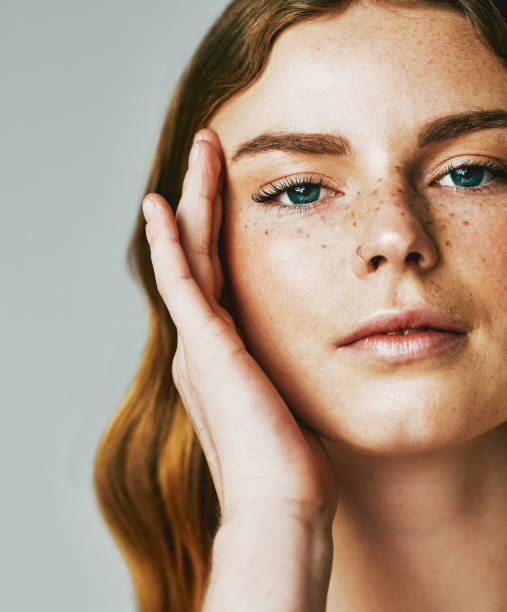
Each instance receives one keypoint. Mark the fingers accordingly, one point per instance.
(199, 212)
(183, 297)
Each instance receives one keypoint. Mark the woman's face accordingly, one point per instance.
(377, 77)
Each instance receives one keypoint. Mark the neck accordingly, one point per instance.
(426, 530)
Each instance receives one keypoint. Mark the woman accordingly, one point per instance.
(327, 293)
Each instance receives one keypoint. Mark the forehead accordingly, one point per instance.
(369, 66)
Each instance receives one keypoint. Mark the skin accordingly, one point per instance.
(417, 452)
(419, 449)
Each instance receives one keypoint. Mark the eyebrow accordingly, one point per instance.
(436, 131)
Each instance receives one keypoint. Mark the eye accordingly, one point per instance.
(473, 177)
(467, 176)
(307, 193)
(294, 194)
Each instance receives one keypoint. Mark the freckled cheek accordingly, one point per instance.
(282, 264)
(480, 250)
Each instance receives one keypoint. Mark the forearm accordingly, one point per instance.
(270, 563)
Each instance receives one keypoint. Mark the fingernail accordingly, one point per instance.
(147, 208)
(194, 153)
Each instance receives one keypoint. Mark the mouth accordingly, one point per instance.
(407, 345)
(405, 337)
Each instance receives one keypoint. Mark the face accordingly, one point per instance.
(378, 78)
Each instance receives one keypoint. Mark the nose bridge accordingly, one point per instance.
(393, 233)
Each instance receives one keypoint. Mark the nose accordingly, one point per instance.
(394, 238)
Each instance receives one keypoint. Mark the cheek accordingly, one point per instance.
(479, 249)
(278, 267)
(285, 277)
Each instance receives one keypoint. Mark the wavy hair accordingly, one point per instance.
(151, 477)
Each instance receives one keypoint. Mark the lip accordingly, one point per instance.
(449, 331)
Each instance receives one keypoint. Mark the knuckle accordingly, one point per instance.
(198, 249)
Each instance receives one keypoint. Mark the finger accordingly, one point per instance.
(195, 213)
(214, 255)
(211, 137)
(183, 297)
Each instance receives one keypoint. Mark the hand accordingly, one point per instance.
(259, 456)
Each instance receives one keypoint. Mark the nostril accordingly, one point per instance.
(414, 256)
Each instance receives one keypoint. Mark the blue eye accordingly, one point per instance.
(303, 194)
(472, 176)
(294, 193)
(466, 176)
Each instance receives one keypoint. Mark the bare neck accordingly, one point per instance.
(422, 533)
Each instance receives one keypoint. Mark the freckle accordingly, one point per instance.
(430, 222)
(402, 214)
(300, 230)
(466, 222)
(447, 243)
(381, 202)
(374, 192)
(378, 208)
(444, 226)
(451, 214)
(358, 193)
(245, 226)
(398, 167)
(323, 246)
(399, 190)
(354, 223)
(379, 179)
(266, 232)
(255, 222)
(307, 235)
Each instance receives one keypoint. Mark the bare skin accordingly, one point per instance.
(418, 452)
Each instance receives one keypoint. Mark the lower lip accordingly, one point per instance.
(406, 348)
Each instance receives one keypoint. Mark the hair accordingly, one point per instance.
(151, 477)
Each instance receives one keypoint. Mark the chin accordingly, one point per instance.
(404, 422)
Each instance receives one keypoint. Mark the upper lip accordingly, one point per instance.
(390, 320)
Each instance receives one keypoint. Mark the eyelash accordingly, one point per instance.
(266, 194)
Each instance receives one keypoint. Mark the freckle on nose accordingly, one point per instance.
(466, 223)
(354, 223)
(323, 246)
(266, 232)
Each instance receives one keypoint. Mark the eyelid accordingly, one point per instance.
(276, 186)
(439, 170)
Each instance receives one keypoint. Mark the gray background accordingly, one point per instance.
(84, 89)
